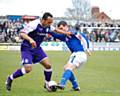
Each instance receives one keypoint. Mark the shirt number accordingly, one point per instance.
(73, 57)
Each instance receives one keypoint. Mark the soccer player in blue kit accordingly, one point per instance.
(79, 47)
(33, 34)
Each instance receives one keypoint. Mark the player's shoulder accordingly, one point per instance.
(34, 22)
(72, 30)
(83, 35)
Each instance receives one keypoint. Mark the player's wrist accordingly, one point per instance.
(33, 43)
(88, 52)
(68, 33)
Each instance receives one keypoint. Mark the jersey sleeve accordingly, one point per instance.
(84, 40)
(30, 26)
(58, 36)
(52, 28)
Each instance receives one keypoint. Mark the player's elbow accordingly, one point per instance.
(22, 35)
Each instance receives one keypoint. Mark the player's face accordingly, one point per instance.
(47, 22)
(65, 28)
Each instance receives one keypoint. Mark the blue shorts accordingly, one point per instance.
(32, 56)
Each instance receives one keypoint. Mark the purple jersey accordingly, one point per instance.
(37, 32)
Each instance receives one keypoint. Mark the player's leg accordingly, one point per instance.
(80, 58)
(66, 75)
(68, 68)
(73, 80)
(73, 63)
(47, 71)
(18, 73)
(69, 75)
(42, 58)
(27, 67)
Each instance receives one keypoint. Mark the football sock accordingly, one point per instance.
(73, 80)
(48, 74)
(18, 73)
(66, 75)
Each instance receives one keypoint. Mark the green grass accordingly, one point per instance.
(99, 77)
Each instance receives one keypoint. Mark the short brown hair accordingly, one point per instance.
(62, 23)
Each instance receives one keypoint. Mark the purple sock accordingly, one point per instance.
(48, 74)
(9, 79)
(17, 74)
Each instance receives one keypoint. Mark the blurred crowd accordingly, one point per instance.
(100, 32)
(9, 30)
(96, 32)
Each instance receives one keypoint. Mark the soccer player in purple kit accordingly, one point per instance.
(33, 34)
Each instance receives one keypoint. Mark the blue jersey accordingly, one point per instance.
(74, 42)
(36, 31)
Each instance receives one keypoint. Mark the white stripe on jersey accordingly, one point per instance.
(31, 26)
(52, 28)
(84, 43)
(82, 40)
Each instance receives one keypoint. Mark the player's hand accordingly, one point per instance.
(33, 44)
(69, 34)
(88, 52)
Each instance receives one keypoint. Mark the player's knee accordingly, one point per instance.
(69, 67)
(66, 67)
(28, 69)
(48, 66)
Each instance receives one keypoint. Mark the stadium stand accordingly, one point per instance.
(95, 31)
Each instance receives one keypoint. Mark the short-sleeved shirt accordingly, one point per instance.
(37, 32)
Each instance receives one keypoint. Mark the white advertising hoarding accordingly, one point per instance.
(61, 46)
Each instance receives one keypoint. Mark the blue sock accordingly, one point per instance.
(66, 76)
(73, 80)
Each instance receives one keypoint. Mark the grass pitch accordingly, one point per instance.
(99, 77)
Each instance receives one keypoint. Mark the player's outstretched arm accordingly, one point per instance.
(63, 32)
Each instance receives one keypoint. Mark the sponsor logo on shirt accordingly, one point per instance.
(47, 29)
(41, 34)
(40, 29)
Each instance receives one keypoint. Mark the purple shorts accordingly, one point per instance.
(32, 56)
